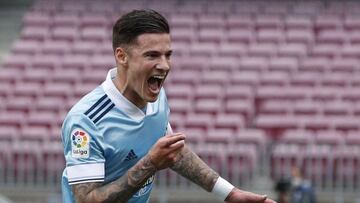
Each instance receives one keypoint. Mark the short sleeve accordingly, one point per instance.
(83, 150)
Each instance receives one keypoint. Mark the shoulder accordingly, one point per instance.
(91, 107)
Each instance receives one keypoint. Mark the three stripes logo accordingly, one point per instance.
(131, 155)
(99, 109)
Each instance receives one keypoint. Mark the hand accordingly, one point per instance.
(239, 196)
(165, 151)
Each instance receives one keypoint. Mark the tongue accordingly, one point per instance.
(153, 84)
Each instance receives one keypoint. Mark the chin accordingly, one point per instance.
(152, 98)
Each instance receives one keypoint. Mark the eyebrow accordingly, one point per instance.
(156, 52)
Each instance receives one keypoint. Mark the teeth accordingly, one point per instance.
(161, 77)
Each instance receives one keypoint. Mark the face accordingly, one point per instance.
(146, 65)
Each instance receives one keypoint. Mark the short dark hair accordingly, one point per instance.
(128, 27)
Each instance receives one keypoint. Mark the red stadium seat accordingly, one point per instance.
(43, 119)
(73, 61)
(268, 22)
(202, 121)
(180, 105)
(8, 134)
(306, 107)
(209, 91)
(27, 89)
(270, 36)
(232, 50)
(18, 62)
(300, 36)
(219, 136)
(294, 50)
(39, 76)
(240, 36)
(84, 47)
(262, 50)
(26, 47)
(202, 49)
(239, 21)
(240, 106)
(276, 107)
(20, 104)
(223, 64)
(205, 105)
(325, 50)
(257, 64)
(229, 121)
(58, 90)
(182, 21)
(298, 23)
(34, 133)
(327, 22)
(276, 78)
(69, 34)
(12, 119)
(246, 78)
(37, 19)
(276, 125)
(38, 34)
(93, 21)
(216, 77)
(212, 21)
(314, 64)
(94, 34)
(65, 20)
(305, 79)
(48, 62)
(179, 90)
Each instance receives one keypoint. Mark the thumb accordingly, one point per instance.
(251, 197)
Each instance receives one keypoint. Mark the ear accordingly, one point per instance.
(121, 56)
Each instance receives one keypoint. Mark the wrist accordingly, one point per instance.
(143, 170)
(222, 188)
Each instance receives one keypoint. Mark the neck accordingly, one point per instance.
(121, 83)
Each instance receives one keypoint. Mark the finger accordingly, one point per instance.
(251, 197)
(269, 201)
(173, 134)
(177, 145)
(173, 139)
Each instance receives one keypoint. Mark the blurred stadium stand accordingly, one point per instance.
(258, 87)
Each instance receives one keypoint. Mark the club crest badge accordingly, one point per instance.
(80, 142)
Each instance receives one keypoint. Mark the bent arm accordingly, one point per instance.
(120, 190)
(190, 166)
(162, 155)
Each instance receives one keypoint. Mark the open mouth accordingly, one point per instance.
(155, 82)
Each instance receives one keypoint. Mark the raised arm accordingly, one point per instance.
(162, 155)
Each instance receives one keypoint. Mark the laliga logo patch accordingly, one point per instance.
(80, 144)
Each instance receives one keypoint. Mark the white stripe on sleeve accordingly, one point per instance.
(94, 172)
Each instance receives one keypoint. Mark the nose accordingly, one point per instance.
(163, 65)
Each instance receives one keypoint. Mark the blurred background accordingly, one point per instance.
(268, 92)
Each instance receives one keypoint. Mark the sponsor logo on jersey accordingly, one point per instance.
(146, 187)
(80, 142)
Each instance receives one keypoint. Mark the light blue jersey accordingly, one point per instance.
(104, 135)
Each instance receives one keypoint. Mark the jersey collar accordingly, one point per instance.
(122, 102)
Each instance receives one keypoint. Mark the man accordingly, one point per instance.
(118, 136)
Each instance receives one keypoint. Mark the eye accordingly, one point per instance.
(168, 55)
(152, 55)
